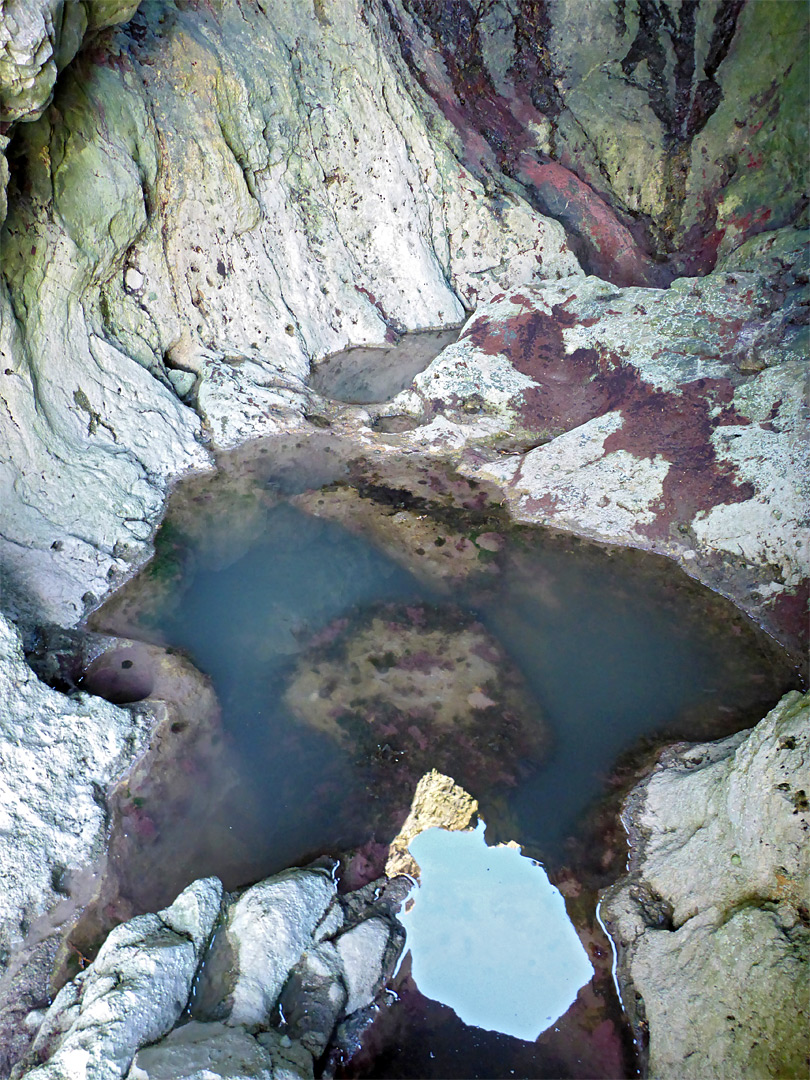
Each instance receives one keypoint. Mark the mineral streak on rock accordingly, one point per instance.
(659, 134)
(438, 802)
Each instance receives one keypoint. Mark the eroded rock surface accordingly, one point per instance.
(293, 967)
(712, 921)
(132, 994)
(673, 420)
(58, 755)
(215, 199)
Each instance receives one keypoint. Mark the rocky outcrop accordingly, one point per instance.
(132, 994)
(712, 921)
(292, 968)
(670, 420)
(438, 802)
(56, 765)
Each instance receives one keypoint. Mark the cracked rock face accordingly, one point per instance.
(716, 903)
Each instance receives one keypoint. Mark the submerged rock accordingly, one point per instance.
(404, 686)
(711, 924)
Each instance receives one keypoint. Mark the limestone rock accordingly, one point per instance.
(132, 994)
(265, 934)
(58, 755)
(711, 923)
(438, 802)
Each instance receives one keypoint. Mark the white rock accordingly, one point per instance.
(133, 992)
(361, 950)
(266, 932)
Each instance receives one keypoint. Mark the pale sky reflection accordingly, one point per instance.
(490, 937)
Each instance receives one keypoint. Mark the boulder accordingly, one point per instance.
(711, 922)
(132, 994)
(263, 937)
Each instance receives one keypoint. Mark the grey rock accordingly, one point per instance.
(362, 950)
(315, 997)
(131, 995)
(204, 1052)
(264, 936)
(711, 921)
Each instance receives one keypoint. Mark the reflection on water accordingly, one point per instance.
(490, 937)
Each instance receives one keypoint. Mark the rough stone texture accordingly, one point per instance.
(712, 921)
(666, 128)
(266, 931)
(58, 756)
(132, 994)
(672, 420)
(215, 199)
(438, 802)
(204, 1052)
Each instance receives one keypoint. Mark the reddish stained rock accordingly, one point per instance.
(588, 382)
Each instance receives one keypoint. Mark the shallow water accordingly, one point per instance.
(598, 648)
(361, 376)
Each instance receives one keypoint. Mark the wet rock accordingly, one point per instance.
(438, 802)
(404, 686)
(265, 934)
(58, 755)
(132, 994)
(712, 922)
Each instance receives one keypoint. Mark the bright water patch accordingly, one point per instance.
(489, 935)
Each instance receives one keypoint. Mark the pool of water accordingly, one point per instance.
(361, 376)
(335, 639)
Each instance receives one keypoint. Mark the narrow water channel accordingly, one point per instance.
(359, 632)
